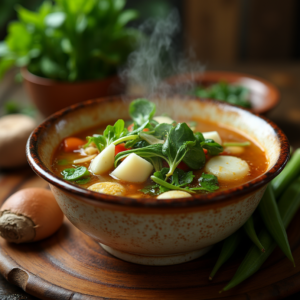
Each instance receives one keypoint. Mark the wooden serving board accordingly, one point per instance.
(70, 265)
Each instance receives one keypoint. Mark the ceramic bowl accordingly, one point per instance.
(264, 96)
(150, 231)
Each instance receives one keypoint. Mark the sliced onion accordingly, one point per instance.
(85, 159)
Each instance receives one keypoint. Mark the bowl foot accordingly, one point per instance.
(156, 260)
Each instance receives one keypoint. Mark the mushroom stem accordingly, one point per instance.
(16, 228)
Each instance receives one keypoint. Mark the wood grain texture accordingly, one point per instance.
(70, 265)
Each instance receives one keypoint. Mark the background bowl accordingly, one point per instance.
(263, 95)
(151, 231)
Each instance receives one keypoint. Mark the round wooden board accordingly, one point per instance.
(70, 265)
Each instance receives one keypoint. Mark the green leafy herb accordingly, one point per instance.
(161, 130)
(150, 139)
(70, 40)
(223, 91)
(168, 186)
(193, 154)
(79, 175)
(181, 144)
(208, 182)
(181, 178)
(141, 110)
(212, 147)
(113, 134)
(145, 152)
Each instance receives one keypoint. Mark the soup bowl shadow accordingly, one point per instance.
(146, 230)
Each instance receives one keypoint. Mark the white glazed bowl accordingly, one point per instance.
(151, 231)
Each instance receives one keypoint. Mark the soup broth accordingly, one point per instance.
(252, 154)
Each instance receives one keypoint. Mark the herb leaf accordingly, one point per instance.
(73, 174)
(208, 182)
(141, 110)
(161, 130)
(212, 147)
(146, 152)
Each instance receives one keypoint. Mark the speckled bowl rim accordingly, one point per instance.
(197, 200)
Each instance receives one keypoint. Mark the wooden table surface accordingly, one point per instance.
(286, 115)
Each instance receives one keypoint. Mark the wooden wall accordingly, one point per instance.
(225, 31)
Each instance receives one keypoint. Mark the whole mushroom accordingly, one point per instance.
(14, 132)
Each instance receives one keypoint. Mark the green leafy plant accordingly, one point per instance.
(70, 40)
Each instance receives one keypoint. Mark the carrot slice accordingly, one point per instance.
(130, 127)
(72, 143)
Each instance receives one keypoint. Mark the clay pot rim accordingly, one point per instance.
(215, 76)
(38, 80)
(214, 198)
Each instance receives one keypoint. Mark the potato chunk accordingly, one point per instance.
(104, 161)
(111, 188)
(174, 194)
(227, 168)
(133, 169)
(163, 119)
(213, 135)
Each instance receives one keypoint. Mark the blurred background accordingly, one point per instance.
(220, 31)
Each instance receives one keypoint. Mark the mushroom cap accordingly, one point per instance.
(14, 132)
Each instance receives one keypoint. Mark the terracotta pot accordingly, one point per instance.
(50, 96)
(151, 231)
(264, 96)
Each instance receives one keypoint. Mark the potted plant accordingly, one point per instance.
(69, 51)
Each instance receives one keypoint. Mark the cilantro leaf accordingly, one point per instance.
(73, 174)
(208, 182)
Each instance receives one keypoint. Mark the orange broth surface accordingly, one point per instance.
(253, 155)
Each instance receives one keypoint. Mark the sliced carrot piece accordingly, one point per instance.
(72, 143)
(130, 127)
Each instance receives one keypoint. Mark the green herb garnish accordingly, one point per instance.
(79, 175)
(70, 40)
(180, 180)
(234, 94)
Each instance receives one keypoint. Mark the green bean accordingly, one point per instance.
(229, 246)
(250, 230)
(271, 216)
(289, 173)
(288, 205)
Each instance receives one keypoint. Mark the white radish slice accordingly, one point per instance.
(227, 168)
(163, 119)
(104, 161)
(235, 150)
(174, 194)
(213, 135)
(111, 188)
(133, 169)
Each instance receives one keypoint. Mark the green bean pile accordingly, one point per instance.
(276, 210)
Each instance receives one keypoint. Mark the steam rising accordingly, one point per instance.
(156, 58)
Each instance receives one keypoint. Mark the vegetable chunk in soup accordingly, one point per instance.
(156, 156)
